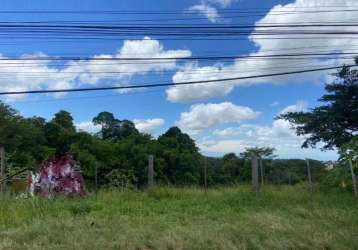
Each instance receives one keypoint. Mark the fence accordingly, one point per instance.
(17, 181)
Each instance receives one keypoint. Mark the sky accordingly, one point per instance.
(222, 117)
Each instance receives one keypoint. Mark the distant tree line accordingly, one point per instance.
(118, 154)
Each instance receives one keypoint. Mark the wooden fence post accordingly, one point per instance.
(310, 180)
(255, 173)
(96, 176)
(354, 180)
(262, 172)
(150, 171)
(205, 175)
(2, 168)
(309, 174)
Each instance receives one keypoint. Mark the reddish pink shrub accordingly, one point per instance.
(58, 176)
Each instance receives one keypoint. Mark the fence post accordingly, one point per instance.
(310, 180)
(309, 174)
(2, 168)
(205, 175)
(354, 180)
(289, 177)
(150, 171)
(96, 176)
(262, 171)
(255, 173)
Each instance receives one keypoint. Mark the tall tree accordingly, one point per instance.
(64, 119)
(349, 154)
(336, 122)
(113, 128)
(60, 132)
(182, 159)
(262, 153)
(105, 119)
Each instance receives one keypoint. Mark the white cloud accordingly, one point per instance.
(87, 126)
(198, 91)
(206, 10)
(219, 147)
(148, 126)
(145, 126)
(203, 116)
(299, 106)
(274, 104)
(222, 3)
(242, 66)
(16, 73)
(280, 135)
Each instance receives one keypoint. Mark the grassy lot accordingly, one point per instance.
(167, 218)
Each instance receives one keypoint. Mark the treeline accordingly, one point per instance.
(118, 154)
(232, 169)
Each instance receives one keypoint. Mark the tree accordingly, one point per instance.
(60, 132)
(261, 153)
(349, 154)
(113, 128)
(336, 122)
(230, 169)
(65, 120)
(23, 139)
(105, 119)
(182, 158)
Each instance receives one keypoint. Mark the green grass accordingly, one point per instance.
(167, 218)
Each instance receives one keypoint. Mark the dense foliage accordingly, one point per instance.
(336, 122)
(118, 154)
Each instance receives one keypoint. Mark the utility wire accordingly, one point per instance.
(64, 58)
(170, 84)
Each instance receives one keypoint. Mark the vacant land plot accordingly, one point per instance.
(168, 218)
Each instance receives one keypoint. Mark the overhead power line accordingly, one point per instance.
(64, 58)
(332, 8)
(171, 84)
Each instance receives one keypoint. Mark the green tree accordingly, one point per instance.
(65, 120)
(112, 128)
(60, 132)
(23, 139)
(336, 122)
(349, 155)
(105, 119)
(183, 163)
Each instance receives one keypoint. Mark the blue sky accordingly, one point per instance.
(221, 119)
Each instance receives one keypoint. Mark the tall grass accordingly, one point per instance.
(167, 218)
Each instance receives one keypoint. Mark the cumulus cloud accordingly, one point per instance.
(149, 125)
(203, 116)
(280, 135)
(218, 147)
(198, 91)
(242, 66)
(85, 72)
(87, 126)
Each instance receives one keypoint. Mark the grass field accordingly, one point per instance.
(167, 218)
